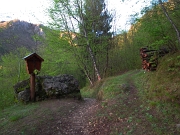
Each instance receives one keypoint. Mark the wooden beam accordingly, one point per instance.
(32, 86)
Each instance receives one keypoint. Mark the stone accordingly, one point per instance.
(49, 87)
(24, 95)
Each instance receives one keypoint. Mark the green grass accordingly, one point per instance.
(131, 103)
(164, 83)
(15, 113)
(6, 94)
(111, 87)
(148, 113)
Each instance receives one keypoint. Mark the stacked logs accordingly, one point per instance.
(150, 58)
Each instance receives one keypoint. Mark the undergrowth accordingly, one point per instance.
(15, 113)
(164, 83)
(136, 102)
(109, 87)
(153, 109)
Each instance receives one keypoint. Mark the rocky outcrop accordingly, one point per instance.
(24, 95)
(49, 87)
(16, 34)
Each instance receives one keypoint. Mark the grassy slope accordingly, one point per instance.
(142, 102)
(136, 102)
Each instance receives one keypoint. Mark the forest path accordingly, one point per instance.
(66, 116)
(72, 117)
(123, 114)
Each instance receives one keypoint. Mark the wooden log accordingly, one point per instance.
(150, 57)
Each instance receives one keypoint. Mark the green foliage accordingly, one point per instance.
(152, 30)
(156, 29)
(65, 50)
(12, 71)
(135, 110)
(111, 87)
(59, 57)
(97, 22)
(15, 113)
(125, 55)
(91, 30)
(16, 117)
(160, 43)
(165, 82)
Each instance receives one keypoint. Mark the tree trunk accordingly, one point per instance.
(89, 78)
(107, 61)
(94, 61)
(89, 47)
(74, 52)
(170, 20)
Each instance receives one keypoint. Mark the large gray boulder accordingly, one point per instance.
(49, 87)
(24, 95)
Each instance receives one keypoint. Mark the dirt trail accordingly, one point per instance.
(70, 117)
(124, 114)
(55, 117)
(79, 119)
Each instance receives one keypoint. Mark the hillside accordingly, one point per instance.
(15, 34)
(126, 101)
(136, 102)
(122, 109)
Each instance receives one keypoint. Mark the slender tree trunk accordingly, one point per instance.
(89, 78)
(170, 20)
(84, 66)
(74, 52)
(107, 61)
(88, 46)
(94, 61)
(80, 19)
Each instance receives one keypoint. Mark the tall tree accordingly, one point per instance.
(66, 16)
(98, 24)
(70, 16)
(170, 20)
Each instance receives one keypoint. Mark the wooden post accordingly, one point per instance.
(32, 86)
(33, 61)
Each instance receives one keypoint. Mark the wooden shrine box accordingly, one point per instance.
(33, 61)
